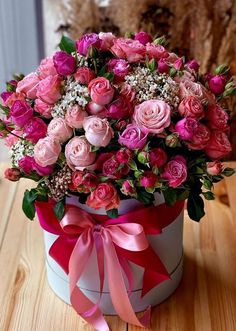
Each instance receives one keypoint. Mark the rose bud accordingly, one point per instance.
(143, 157)
(64, 63)
(86, 41)
(143, 37)
(178, 64)
(84, 75)
(186, 128)
(148, 179)
(124, 155)
(157, 157)
(35, 129)
(214, 168)
(128, 188)
(76, 179)
(119, 108)
(163, 66)
(4, 96)
(217, 84)
(12, 174)
(192, 65)
(172, 140)
(121, 125)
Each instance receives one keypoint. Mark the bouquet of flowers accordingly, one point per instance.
(109, 118)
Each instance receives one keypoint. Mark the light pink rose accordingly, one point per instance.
(105, 196)
(186, 75)
(191, 106)
(107, 39)
(175, 171)
(49, 89)
(131, 50)
(218, 146)
(156, 51)
(84, 75)
(214, 168)
(10, 140)
(47, 151)
(188, 87)
(28, 85)
(75, 116)
(217, 117)
(95, 109)
(200, 138)
(101, 91)
(97, 131)
(47, 68)
(59, 130)
(78, 154)
(152, 116)
(43, 108)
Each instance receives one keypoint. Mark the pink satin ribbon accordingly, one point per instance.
(116, 241)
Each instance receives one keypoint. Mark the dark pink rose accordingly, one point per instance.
(12, 174)
(26, 164)
(121, 125)
(132, 137)
(175, 171)
(218, 146)
(43, 171)
(86, 41)
(21, 113)
(5, 96)
(200, 138)
(217, 84)
(186, 128)
(28, 85)
(84, 75)
(64, 63)
(102, 158)
(14, 97)
(214, 168)
(90, 181)
(128, 188)
(119, 108)
(148, 179)
(46, 68)
(101, 91)
(156, 51)
(127, 92)
(157, 157)
(143, 37)
(35, 129)
(107, 39)
(124, 155)
(192, 65)
(163, 66)
(119, 67)
(111, 168)
(191, 106)
(49, 89)
(43, 108)
(131, 50)
(178, 64)
(217, 117)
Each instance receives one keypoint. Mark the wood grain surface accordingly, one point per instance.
(204, 301)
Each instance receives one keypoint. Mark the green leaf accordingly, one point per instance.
(28, 203)
(6, 110)
(183, 195)
(109, 76)
(207, 183)
(10, 87)
(112, 213)
(42, 194)
(102, 71)
(59, 209)
(104, 178)
(67, 45)
(145, 197)
(132, 165)
(170, 196)
(195, 207)
(94, 148)
(208, 195)
(228, 172)
(217, 179)
(150, 189)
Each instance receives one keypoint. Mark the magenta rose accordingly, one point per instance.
(128, 49)
(78, 154)
(152, 116)
(64, 63)
(128, 188)
(124, 155)
(218, 146)
(175, 171)
(95, 109)
(186, 128)
(49, 89)
(119, 108)
(187, 87)
(157, 157)
(97, 131)
(35, 129)
(156, 51)
(132, 137)
(191, 106)
(200, 137)
(217, 117)
(21, 113)
(101, 91)
(107, 39)
(192, 65)
(84, 75)
(75, 116)
(148, 179)
(59, 130)
(14, 97)
(217, 84)
(163, 66)
(43, 108)
(4, 96)
(214, 168)
(102, 158)
(86, 41)
(46, 151)
(28, 85)
(28, 164)
(46, 68)
(119, 67)
(143, 37)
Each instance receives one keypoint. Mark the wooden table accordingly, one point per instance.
(204, 301)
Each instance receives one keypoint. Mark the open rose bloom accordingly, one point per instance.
(113, 122)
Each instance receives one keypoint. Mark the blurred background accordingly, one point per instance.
(31, 29)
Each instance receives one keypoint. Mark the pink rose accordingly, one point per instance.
(128, 188)
(10, 140)
(188, 87)
(43, 108)
(218, 146)
(186, 128)
(107, 39)
(64, 63)
(46, 151)
(59, 130)
(12, 174)
(35, 129)
(163, 66)
(28, 164)
(200, 137)
(128, 49)
(105, 196)
(143, 37)
(111, 169)
(84, 75)
(119, 108)
(21, 113)
(217, 117)
(191, 107)
(14, 97)
(127, 92)
(192, 65)
(28, 85)
(49, 89)
(78, 154)
(47, 68)
(119, 67)
(157, 157)
(132, 137)
(124, 155)
(217, 84)
(4, 96)
(97, 131)
(156, 51)
(75, 116)
(148, 179)
(101, 91)
(175, 171)
(214, 168)
(95, 109)
(86, 41)
(152, 116)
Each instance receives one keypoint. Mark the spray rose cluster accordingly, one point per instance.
(119, 118)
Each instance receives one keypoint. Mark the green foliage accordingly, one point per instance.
(228, 172)
(195, 207)
(112, 213)
(28, 204)
(68, 45)
(59, 209)
(208, 195)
